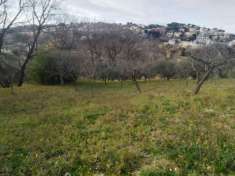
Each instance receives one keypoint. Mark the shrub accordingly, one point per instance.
(226, 71)
(104, 72)
(184, 70)
(165, 69)
(54, 67)
(9, 67)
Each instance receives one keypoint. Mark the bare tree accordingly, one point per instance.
(132, 53)
(65, 40)
(211, 57)
(2, 2)
(113, 47)
(41, 11)
(65, 34)
(7, 20)
(93, 46)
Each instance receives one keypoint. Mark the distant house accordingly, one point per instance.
(232, 43)
(204, 38)
(193, 29)
(170, 34)
(172, 42)
(178, 34)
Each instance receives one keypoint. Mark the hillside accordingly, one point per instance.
(183, 35)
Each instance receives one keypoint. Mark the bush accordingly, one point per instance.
(54, 67)
(227, 71)
(165, 69)
(9, 67)
(184, 70)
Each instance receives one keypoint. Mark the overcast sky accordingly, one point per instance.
(208, 13)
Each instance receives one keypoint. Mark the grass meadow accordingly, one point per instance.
(92, 129)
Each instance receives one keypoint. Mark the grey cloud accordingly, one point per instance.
(211, 13)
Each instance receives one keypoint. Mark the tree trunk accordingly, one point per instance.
(1, 44)
(29, 56)
(12, 89)
(136, 82)
(22, 73)
(202, 81)
(121, 83)
(12, 85)
(61, 79)
(105, 80)
(2, 84)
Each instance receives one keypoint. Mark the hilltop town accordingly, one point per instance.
(176, 34)
(184, 34)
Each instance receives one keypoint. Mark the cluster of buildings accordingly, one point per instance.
(184, 34)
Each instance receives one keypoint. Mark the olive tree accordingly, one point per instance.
(211, 57)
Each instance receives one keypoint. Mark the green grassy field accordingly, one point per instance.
(93, 129)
